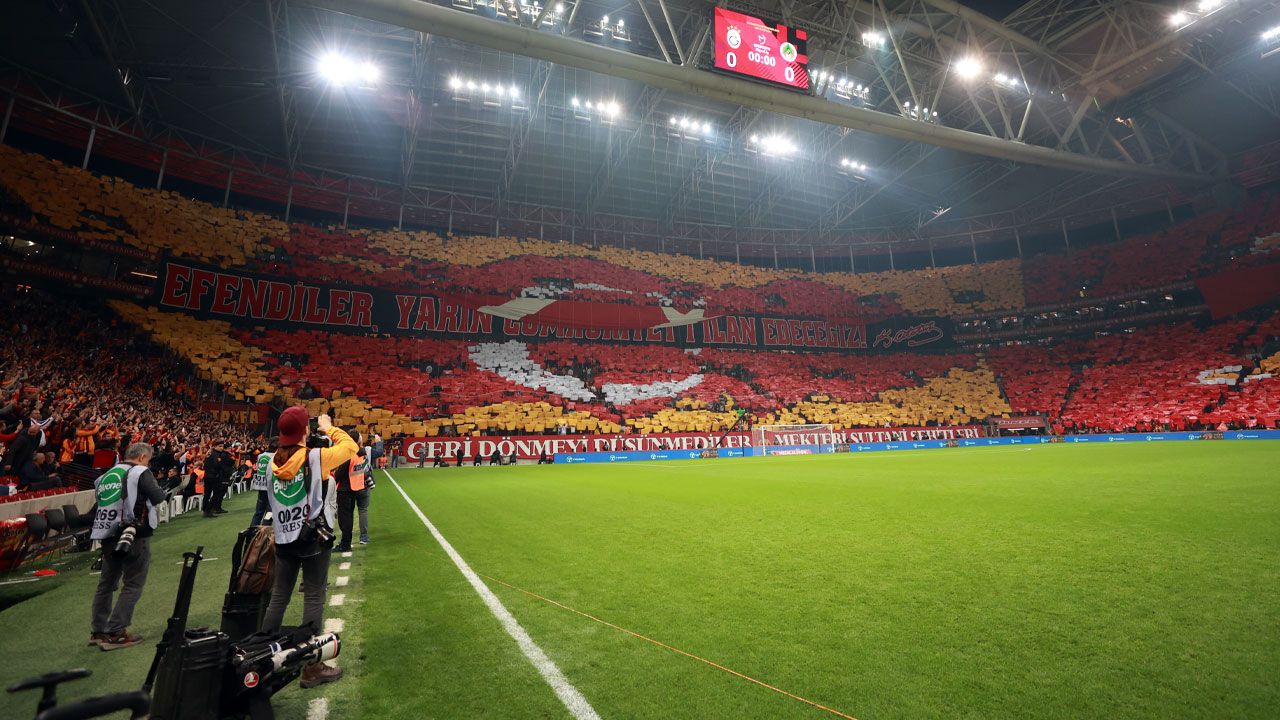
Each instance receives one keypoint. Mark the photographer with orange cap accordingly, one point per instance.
(303, 500)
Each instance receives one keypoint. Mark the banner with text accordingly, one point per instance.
(529, 447)
(283, 302)
(237, 413)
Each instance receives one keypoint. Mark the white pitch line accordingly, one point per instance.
(334, 625)
(318, 709)
(20, 580)
(346, 554)
(342, 581)
(573, 700)
(337, 600)
(344, 566)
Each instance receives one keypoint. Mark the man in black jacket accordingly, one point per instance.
(217, 474)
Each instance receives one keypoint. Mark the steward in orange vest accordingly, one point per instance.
(355, 480)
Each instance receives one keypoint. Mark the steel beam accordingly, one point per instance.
(570, 52)
(278, 28)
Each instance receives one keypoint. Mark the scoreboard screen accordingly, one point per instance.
(761, 49)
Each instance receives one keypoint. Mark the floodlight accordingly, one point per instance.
(706, 128)
(613, 108)
(622, 22)
(755, 139)
(369, 72)
(471, 84)
(515, 91)
(484, 87)
(559, 8)
(1178, 19)
(1272, 34)
(574, 101)
(968, 67)
(604, 20)
(588, 104)
(1209, 5)
(500, 90)
(873, 38)
(455, 82)
(334, 68)
(674, 120)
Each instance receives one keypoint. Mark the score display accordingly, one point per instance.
(761, 49)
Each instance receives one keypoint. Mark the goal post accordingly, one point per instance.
(793, 439)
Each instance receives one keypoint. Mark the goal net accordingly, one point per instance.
(793, 439)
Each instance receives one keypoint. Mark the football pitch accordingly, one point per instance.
(1082, 581)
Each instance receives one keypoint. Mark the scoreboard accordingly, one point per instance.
(761, 49)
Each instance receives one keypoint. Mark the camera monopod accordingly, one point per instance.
(181, 608)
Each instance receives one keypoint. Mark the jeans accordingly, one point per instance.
(133, 570)
(395, 460)
(315, 579)
(348, 501)
(259, 510)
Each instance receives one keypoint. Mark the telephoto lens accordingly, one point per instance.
(125, 544)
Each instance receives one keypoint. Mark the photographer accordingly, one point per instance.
(354, 481)
(127, 494)
(261, 482)
(302, 500)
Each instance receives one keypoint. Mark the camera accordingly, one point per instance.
(124, 544)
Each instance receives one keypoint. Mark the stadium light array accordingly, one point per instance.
(604, 110)
(853, 165)
(342, 71)
(491, 94)
(968, 67)
(1008, 81)
(1203, 9)
(778, 145)
(873, 38)
(849, 89)
(684, 126)
(917, 112)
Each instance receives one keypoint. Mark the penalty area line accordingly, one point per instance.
(569, 695)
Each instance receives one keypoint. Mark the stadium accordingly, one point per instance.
(640, 359)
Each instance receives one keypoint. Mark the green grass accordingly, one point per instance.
(44, 625)
(1056, 581)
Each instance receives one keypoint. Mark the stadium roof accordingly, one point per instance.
(1077, 107)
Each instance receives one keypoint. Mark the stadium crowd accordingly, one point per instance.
(1088, 299)
(77, 386)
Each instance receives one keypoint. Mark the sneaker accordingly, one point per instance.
(364, 539)
(344, 547)
(95, 639)
(317, 674)
(118, 641)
